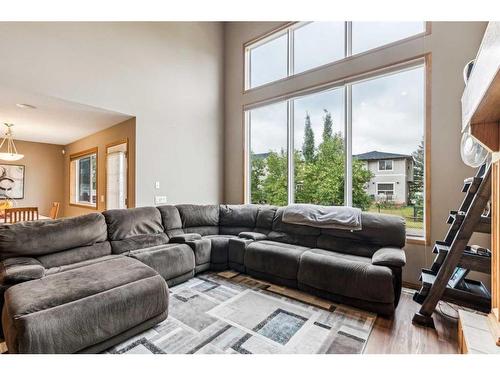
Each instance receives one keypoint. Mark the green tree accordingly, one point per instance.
(257, 175)
(319, 180)
(308, 145)
(417, 186)
(327, 125)
(274, 185)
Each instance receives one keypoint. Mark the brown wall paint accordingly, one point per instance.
(43, 175)
(118, 132)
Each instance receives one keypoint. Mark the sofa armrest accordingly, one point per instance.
(389, 256)
(18, 270)
(183, 238)
(256, 236)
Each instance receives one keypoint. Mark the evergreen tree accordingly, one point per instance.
(308, 145)
(417, 186)
(327, 126)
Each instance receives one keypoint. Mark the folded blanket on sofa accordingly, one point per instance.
(334, 217)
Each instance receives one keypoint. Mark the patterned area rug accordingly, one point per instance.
(237, 314)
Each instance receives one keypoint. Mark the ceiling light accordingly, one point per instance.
(11, 154)
(26, 106)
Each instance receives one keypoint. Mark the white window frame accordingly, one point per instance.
(289, 31)
(346, 84)
(386, 183)
(75, 179)
(385, 161)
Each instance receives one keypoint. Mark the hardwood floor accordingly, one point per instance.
(399, 336)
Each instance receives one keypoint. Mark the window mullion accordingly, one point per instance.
(348, 39)
(348, 146)
(291, 161)
(248, 158)
(291, 67)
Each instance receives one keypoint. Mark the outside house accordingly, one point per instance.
(392, 175)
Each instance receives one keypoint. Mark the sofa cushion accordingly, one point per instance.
(126, 223)
(237, 218)
(274, 258)
(346, 275)
(171, 220)
(389, 256)
(69, 311)
(72, 266)
(75, 255)
(202, 219)
(265, 218)
(378, 230)
(18, 270)
(134, 228)
(292, 233)
(34, 238)
(170, 260)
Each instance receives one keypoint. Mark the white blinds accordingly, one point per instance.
(116, 184)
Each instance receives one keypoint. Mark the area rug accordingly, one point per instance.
(230, 315)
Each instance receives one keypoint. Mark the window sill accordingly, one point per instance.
(417, 240)
(82, 205)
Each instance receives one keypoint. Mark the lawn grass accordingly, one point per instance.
(406, 212)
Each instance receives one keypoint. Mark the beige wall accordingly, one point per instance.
(169, 75)
(122, 131)
(452, 45)
(43, 178)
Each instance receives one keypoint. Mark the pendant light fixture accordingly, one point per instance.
(11, 153)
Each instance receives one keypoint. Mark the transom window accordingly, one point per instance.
(326, 146)
(83, 178)
(307, 45)
(385, 165)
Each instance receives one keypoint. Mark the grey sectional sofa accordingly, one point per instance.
(84, 284)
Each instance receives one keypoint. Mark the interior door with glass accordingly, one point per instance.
(116, 176)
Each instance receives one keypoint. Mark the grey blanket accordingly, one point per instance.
(335, 217)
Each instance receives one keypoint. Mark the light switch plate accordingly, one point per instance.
(160, 199)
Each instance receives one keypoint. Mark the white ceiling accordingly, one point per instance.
(53, 120)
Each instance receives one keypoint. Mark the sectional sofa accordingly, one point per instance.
(83, 284)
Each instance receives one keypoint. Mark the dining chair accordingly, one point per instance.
(14, 215)
(54, 210)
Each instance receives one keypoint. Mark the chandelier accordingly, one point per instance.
(11, 154)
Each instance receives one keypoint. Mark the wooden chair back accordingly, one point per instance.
(54, 211)
(14, 215)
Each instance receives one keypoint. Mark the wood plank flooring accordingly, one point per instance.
(399, 336)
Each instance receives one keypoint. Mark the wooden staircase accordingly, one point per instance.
(454, 252)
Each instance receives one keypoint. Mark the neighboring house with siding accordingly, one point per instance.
(392, 175)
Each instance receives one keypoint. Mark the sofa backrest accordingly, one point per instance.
(378, 230)
(134, 228)
(60, 241)
(237, 218)
(265, 218)
(292, 233)
(202, 219)
(171, 220)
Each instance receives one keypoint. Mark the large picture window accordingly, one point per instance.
(303, 46)
(360, 144)
(83, 178)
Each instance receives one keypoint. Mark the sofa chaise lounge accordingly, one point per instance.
(84, 284)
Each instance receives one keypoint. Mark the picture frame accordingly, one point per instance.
(12, 180)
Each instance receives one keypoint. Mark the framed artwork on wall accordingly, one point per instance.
(12, 181)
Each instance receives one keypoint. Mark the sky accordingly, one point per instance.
(388, 111)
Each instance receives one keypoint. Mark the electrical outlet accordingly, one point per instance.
(157, 184)
(160, 199)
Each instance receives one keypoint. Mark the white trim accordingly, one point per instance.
(384, 160)
(290, 58)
